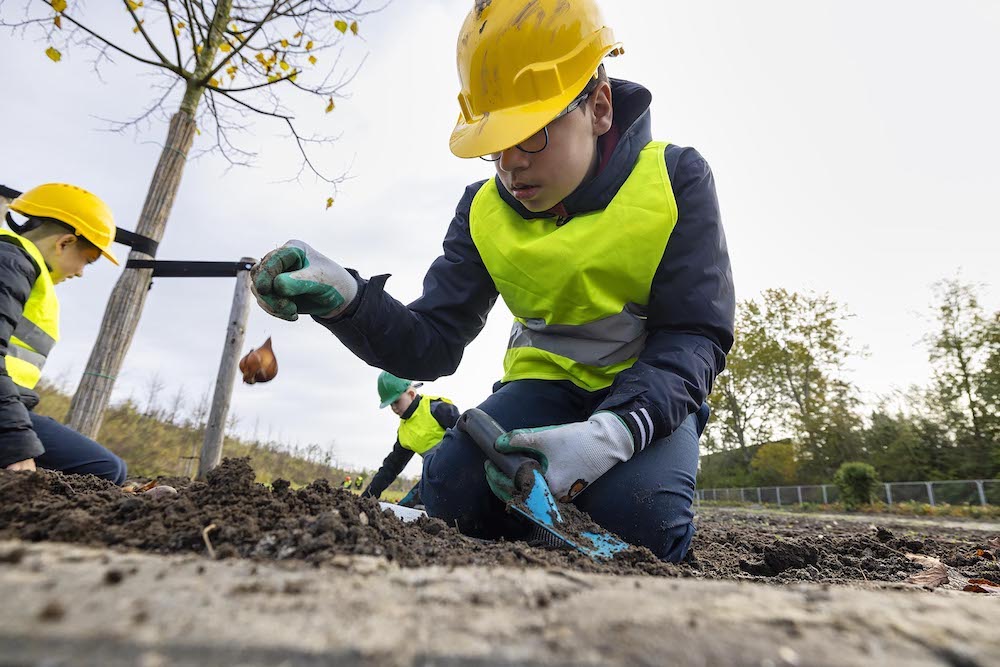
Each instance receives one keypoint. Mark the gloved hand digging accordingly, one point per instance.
(571, 456)
(296, 279)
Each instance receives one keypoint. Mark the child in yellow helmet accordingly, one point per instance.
(607, 247)
(66, 229)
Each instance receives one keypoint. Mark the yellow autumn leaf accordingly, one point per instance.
(329, 202)
(213, 82)
(231, 71)
(197, 131)
(59, 6)
(309, 45)
(297, 35)
(354, 27)
(283, 65)
(273, 78)
(53, 54)
(260, 58)
(58, 21)
(291, 77)
(197, 48)
(225, 47)
(133, 5)
(340, 25)
(331, 106)
(177, 33)
(284, 43)
(312, 60)
(181, 25)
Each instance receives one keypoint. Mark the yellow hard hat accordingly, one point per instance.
(520, 63)
(83, 211)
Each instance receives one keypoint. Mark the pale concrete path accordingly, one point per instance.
(67, 605)
(875, 519)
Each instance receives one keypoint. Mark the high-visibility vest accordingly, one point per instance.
(421, 432)
(578, 291)
(37, 331)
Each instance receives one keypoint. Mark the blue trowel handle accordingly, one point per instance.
(484, 431)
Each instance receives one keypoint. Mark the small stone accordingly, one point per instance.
(113, 577)
(789, 656)
(160, 492)
(51, 612)
(363, 518)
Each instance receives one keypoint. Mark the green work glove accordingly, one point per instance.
(572, 456)
(501, 485)
(296, 280)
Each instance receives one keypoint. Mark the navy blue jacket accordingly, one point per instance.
(18, 273)
(689, 316)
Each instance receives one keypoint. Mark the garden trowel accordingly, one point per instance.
(532, 499)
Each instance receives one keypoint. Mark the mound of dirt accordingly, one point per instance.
(241, 518)
(230, 515)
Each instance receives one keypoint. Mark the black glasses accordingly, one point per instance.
(537, 142)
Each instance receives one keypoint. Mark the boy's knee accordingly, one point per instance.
(119, 470)
(673, 543)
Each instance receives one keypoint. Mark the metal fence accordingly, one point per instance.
(952, 492)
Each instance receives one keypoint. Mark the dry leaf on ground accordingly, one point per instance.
(934, 574)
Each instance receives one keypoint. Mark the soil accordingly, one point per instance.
(231, 516)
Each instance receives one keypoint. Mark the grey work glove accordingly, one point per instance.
(297, 280)
(572, 455)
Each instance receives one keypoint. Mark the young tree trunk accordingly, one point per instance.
(215, 431)
(121, 317)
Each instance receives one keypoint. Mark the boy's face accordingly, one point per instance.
(402, 404)
(67, 257)
(542, 180)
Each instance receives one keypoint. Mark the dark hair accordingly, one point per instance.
(43, 228)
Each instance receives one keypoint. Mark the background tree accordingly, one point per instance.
(811, 367)
(964, 357)
(775, 464)
(747, 407)
(221, 63)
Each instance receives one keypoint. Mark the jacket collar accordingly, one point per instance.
(413, 408)
(632, 130)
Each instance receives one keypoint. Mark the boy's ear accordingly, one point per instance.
(603, 110)
(65, 241)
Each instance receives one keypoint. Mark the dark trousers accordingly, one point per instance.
(69, 451)
(645, 500)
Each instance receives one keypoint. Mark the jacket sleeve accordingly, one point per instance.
(18, 440)
(690, 316)
(391, 468)
(446, 414)
(426, 339)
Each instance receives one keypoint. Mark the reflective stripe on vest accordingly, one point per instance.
(578, 291)
(37, 331)
(421, 432)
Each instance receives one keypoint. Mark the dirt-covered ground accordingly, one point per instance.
(236, 573)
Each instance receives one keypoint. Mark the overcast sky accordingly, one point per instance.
(854, 146)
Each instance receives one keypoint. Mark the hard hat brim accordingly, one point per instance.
(497, 131)
(389, 401)
(111, 258)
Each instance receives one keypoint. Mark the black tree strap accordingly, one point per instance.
(136, 241)
(173, 269)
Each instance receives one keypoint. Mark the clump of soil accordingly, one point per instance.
(316, 523)
(319, 523)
